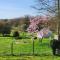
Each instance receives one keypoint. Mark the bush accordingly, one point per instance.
(6, 30)
(16, 34)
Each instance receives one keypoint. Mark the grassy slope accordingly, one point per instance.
(25, 46)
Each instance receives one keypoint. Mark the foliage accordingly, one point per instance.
(5, 28)
(23, 27)
(24, 23)
(37, 23)
(16, 34)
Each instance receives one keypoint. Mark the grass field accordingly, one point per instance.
(29, 58)
(23, 46)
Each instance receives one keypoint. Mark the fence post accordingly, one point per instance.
(12, 48)
(33, 44)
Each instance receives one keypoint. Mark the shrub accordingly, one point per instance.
(6, 30)
(16, 34)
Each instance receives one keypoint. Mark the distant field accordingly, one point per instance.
(25, 46)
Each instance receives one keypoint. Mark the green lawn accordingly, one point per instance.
(30, 57)
(24, 46)
(42, 50)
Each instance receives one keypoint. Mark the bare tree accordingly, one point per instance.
(49, 8)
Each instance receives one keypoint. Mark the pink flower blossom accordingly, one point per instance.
(35, 21)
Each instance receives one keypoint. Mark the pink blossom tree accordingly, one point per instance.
(34, 26)
(39, 25)
(36, 23)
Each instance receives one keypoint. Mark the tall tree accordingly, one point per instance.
(49, 8)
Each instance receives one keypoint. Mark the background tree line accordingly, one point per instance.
(22, 23)
(6, 25)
